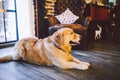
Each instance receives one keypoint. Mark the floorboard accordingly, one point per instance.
(103, 57)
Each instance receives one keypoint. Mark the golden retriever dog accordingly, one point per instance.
(53, 50)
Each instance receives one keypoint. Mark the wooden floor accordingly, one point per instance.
(104, 57)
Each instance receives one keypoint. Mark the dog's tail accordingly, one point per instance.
(5, 57)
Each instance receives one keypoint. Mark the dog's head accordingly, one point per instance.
(64, 38)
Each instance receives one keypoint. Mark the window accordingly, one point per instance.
(8, 21)
(113, 2)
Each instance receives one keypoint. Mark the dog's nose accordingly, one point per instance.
(80, 36)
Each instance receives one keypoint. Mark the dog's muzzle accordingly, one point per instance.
(76, 41)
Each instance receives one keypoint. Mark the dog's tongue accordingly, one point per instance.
(78, 42)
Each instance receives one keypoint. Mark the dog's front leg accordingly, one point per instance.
(80, 62)
(70, 65)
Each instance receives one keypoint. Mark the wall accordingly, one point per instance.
(25, 16)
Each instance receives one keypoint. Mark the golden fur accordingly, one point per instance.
(53, 50)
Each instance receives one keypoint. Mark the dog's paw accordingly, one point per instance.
(85, 63)
(83, 66)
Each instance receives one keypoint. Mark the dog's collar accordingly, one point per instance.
(57, 46)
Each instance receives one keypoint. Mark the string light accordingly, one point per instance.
(49, 6)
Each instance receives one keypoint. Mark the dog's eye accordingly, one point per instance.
(71, 32)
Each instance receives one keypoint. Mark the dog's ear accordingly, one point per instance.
(59, 38)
